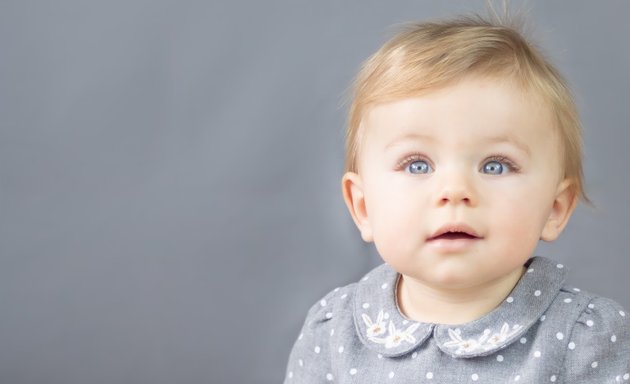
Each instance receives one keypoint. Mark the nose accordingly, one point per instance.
(457, 187)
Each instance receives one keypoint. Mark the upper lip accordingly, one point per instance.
(454, 228)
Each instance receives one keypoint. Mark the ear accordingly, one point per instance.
(561, 211)
(352, 189)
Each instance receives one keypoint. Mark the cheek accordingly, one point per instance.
(394, 213)
(522, 215)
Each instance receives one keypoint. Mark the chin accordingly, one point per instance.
(449, 278)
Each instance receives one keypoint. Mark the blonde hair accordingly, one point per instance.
(428, 56)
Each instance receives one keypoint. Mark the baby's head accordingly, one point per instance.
(429, 56)
(462, 138)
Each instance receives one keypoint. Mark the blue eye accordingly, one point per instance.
(494, 167)
(418, 166)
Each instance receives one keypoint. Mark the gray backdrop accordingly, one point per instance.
(170, 203)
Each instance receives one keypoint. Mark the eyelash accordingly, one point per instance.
(402, 165)
(512, 167)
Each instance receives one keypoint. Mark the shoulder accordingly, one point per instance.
(333, 306)
(335, 311)
(589, 310)
(601, 319)
(598, 348)
(586, 314)
(340, 302)
(605, 312)
(328, 327)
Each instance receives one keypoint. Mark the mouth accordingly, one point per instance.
(454, 232)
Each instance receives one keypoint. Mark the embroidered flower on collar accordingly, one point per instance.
(394, 336)
(374, 329)
(484, 343)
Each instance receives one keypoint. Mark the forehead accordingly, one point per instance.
(477, 108)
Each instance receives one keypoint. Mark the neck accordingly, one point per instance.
(424, 303)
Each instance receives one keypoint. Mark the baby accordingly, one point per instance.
(463, 150)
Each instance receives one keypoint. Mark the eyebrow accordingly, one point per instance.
(509, 139)
(407, 137)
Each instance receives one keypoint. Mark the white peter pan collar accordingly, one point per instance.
(382, 328)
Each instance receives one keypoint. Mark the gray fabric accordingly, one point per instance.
(543, 332)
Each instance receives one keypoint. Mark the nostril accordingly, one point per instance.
(464, 199)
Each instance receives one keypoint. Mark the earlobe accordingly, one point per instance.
(353, 195)
(561, 211)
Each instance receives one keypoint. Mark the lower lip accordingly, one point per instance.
(452, 245)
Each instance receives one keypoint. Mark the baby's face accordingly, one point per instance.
(458, 185)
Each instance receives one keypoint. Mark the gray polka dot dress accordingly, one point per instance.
(544, 332)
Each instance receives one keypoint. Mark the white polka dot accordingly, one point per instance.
(571, 345)
(344, 295)
(429, 375)
(543, 317)
(560, 266)
(559, 336)
(618, 378)
(594, 364)
(291, 375)
(414, 355)
(353, 371)
(589, 323)
(591, 306)
(405, 322)
(576, 289)
(537, 354)
(329, 315)
(332, 332)
(322, 302)
(553, 378)
(317, 349)
(567, 300)
(510, 299)
(301, 336)
(517, 378)
(500, 358)
(336, 289)
(523, 340)
(530, 270)
(626, 376)
(366, 305)
(365, 277)
(474, 377)
(622, 313)
(301, 362)
(340, 349)
(537, 293)
(391, 375)
(379, 356)
(613, 338)
(384, 286)
(386, 315)
(329, 377)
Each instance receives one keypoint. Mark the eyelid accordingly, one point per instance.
(402, 164)
(512, 166)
